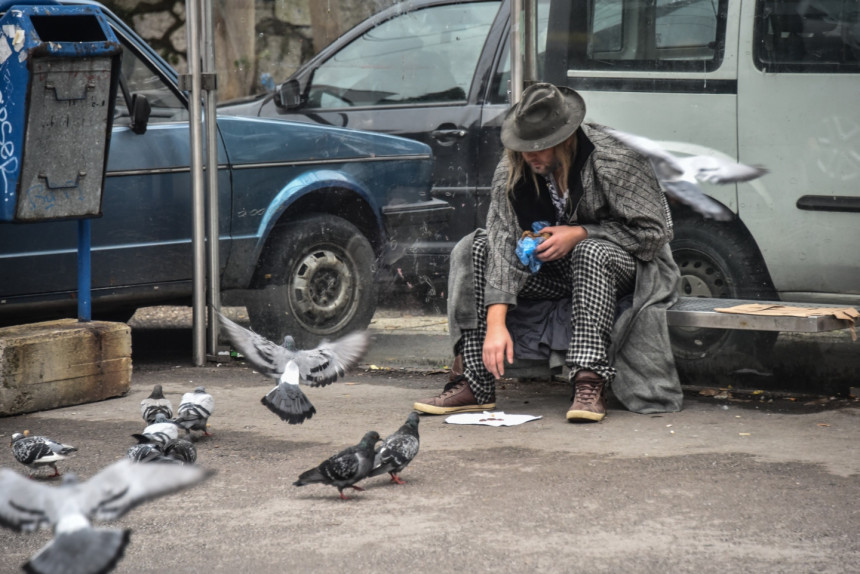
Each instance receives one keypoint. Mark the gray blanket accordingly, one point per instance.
(646, 380)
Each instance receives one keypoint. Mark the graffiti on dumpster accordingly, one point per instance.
(8, 160)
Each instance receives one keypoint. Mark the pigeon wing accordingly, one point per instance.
(124, 484)
(691, 194)
(717, 170)
(268, 357)
(330, 360)
(25, 504)
(666, 166)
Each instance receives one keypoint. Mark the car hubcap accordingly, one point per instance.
(322, 290)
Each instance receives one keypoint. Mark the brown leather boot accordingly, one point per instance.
(456, 398)
(589, 402)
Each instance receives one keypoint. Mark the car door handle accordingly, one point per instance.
(448, 134)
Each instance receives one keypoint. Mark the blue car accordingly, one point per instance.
(312, 218)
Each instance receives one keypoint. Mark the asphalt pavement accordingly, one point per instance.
(743, 479)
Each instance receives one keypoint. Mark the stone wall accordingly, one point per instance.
(254, 39)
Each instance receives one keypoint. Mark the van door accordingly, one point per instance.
(799, 115)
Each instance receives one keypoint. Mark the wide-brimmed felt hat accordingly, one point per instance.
(545, 116)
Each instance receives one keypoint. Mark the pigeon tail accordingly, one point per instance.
(289, 403)
(84, 551)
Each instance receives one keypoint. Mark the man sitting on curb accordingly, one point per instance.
(607, 239)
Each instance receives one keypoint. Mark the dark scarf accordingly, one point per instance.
(530, 206)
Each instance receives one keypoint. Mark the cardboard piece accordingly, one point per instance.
(849, 314)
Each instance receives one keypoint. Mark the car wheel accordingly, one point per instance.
(317, 279)
(718, 260)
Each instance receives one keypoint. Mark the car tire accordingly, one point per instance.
(316, 279)
(719, 260)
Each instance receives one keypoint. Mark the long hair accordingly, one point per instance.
(564, 155)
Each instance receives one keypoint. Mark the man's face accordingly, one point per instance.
(542, 162)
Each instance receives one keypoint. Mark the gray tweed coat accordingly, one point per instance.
(622, 203)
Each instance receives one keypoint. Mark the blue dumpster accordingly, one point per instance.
(59, 67)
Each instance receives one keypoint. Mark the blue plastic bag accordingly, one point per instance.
(526, 247)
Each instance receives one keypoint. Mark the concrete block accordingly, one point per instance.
(62, 363)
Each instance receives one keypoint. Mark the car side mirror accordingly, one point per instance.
(290, 95)
(140, 110)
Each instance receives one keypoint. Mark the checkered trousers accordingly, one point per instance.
(595, 275)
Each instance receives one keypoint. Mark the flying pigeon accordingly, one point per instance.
(317, 367)
(155, 403)
(77, 547)
(397, 450)
(36, 451)
(345, 468)
(161, 431)
(679, 176)
(287, 399)
(194, 411)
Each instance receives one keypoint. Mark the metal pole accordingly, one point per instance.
(198, 197)
(516, 52)
(210, 87)
(530, 42)
(84, 271)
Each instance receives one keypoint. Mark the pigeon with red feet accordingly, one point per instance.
(345, 468)
(397, 450)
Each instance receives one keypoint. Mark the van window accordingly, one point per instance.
(648, 35)
(805, 36)
(424, 56)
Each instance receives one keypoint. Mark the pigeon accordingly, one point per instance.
(679, 176)
(397, 450)
(37, 451)
(287, 399)
(317, 367)
(345, 468)
(145, 452)
(77, 547)
(194, 411)
(161, 431)
(181, 451)
(155, 403)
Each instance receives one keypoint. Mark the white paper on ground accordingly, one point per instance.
(497, 419)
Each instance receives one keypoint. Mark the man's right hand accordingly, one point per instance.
(498, 344)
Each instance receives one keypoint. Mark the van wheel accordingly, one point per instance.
(719, 260)
(317, 282)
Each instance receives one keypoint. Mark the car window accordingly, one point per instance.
(803, 36)
(424, 56)
(646, 35)
(141, 78)
(501, 87)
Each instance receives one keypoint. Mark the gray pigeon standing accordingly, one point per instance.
(77, 547)
(679, 176)
(317, 367)
(345, 468)
(194, 411)
(155, 403)
(161, 431)
(397, 450)
(145, 452)
(38, 451)
(181, 451)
